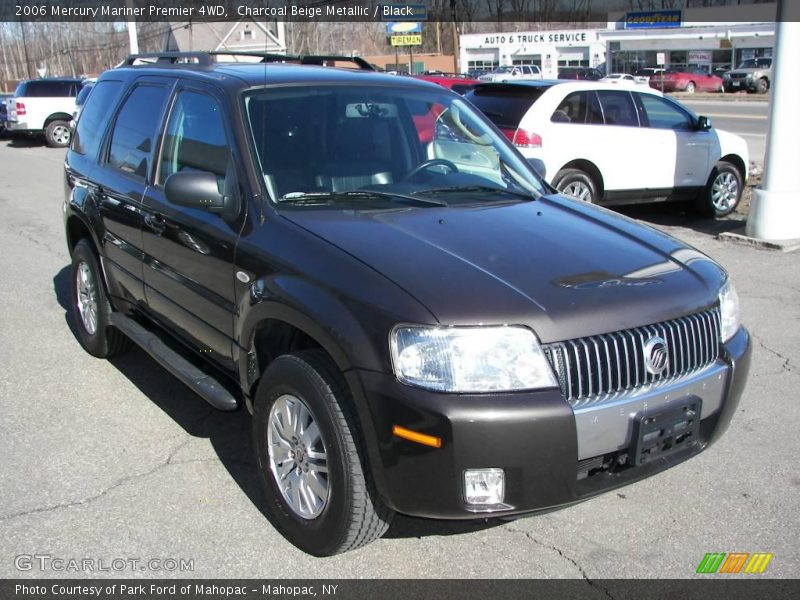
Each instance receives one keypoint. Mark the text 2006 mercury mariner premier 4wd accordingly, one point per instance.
(417, 323)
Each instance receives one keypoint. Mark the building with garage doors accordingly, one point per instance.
(549, 50)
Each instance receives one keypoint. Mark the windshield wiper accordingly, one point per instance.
(477, 188)
(324, 197)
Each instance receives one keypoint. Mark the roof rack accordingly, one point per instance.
(206, 59)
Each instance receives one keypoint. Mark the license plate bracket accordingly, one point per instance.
(662, 433)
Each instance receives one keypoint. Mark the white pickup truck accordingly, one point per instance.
(44, 106)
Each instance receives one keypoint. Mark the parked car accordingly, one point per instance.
(624, 79)
(416, 327)
(610, 145)
(4, 98)
(511, 73)
(649, 72)
(579, 73)
(696, 80)
(475, 73)
(456, 83)
(753, 75)
(45, 106)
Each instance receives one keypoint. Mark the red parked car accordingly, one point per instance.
(696, 80)
(457, 83)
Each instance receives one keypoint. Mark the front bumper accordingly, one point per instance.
(535, 437)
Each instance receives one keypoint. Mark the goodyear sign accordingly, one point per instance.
(403, 28)
(653, 19)
(406, 40)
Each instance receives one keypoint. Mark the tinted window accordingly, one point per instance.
(578, 107)
(505, 106)
(94, 117)
(49, 89)
(618, 108)
(662, 114)
(195, 138)
(136, 129)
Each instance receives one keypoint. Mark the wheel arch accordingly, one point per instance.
(588, 167)
(737, 162)
(58, 116)
(292, 330)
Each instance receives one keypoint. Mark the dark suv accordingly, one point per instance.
(415, 321)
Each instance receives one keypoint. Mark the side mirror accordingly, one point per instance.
(703, 123)
(538, 166)
(200, 189)
(194, 189)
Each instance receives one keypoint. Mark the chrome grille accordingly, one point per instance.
(595, 368)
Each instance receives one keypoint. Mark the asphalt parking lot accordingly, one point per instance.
(104, 460)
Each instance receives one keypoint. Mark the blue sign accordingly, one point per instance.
(403, 28)
(404, 12)
(653, 19)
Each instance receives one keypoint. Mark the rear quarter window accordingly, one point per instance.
(95, 116)
(505, 105)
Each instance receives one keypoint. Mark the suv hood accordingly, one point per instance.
(563, 268)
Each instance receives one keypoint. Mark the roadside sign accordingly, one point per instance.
(403, 28)
(661, 58)
(406, 40)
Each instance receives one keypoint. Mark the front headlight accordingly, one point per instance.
(728, 311)
(470, 359)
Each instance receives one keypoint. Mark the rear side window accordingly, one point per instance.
(95, 116)
(136, 129)
(505, 105)
(578, 107)
(618, 108)
(195, 138)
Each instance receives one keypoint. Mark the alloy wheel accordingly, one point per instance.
(86, 297)
(297, 457)
(578, 190)
(724, 191)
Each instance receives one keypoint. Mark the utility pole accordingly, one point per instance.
(775, 207)
(25, 47)
(453, 15)
(132, 37)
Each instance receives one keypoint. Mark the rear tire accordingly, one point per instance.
(723, 191)
(322, 512)
(90, 306)
(576, 184)
(58, 134)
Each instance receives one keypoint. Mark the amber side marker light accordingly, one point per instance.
(420, 438)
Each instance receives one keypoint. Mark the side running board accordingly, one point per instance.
(199, 382)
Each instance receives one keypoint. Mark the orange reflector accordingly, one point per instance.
(420, 438)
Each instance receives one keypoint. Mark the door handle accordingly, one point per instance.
(155, 222)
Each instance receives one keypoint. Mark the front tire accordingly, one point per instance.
(58, 134)
(690, 87)
(311, 461)
(90, 306)
(576, 184)
(723, 191)
(762, 85)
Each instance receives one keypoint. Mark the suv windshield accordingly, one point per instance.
(756, 63)
(374, 144)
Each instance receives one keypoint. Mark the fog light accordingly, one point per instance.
(484, 487)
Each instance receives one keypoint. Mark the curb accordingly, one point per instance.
(739, 237)
(733, 97)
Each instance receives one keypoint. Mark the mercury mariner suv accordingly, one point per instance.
(417, 323)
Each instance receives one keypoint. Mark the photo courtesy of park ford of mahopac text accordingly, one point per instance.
(364, 299)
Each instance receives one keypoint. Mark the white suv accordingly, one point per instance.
(511, 73)
(611, 145)
(45, 106)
